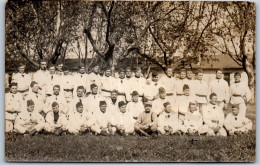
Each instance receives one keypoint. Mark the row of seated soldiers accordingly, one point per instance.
(110, 115)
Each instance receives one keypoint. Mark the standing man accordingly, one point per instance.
(52, 79)
(180, 83)
(168, 82)
(151, 87)
(22, 79)
(128, 84)
(121, 83)
(40, 76)
(59, 68)
(240, 94)
(67, 84)
(220, 87)
(80, 79)
(201, 91)
(112, 102)
(95, 78)
(13, 106)
(93, 99)
(139, 82)
(108, 83)
(191, 82)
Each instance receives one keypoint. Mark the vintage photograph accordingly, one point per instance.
(130, 81)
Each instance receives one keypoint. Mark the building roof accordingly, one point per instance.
(218, 61)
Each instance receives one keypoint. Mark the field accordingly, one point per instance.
(90, 148)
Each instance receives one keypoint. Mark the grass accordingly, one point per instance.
(90, 148)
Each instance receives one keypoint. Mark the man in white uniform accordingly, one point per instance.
(108, 83)
(179, 83)
(40, 76)
(168, 83)
(135, 106)
(95, 78)
(93, 99)
(80, 78)
(151, 87)
(55, 97)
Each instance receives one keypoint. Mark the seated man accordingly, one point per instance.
(235, 123)
(147, 121)
(193, 122)
(124, 121)
(103, 121)
(56, 122)
(13, 105)
(168, 122)
(213, 117)
(135, 106)
(29, 121)
(79, 120)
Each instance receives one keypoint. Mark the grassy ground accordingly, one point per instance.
(92, 148)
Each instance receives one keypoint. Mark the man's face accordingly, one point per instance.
(55, 109)
(182, 75)
(169, 72)
(82, 70)
(186, 92)
(59, 67)
(219, 74)
(30, 108)
(162, 95)
(237, 78)
(113, 96)
(147, 108)
(21, 69)
(235, 111)
(199, 76)
(123, 109)
(94, 90)
(168, 108)
(128, 73)
(52, 70)
(35, 88)
(13, 89)
(122, 75)
(96, 69)
(56, 90)
(192, 108)
(103, 108)
(213, 99)
(138, 73)
(155, 78)
(189, 74)
(108, 73)
(135, 98)
(80, 92)
(43, 65)
(80, 109)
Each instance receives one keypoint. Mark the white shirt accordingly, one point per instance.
(23, 81)
(151, 90)
(37, 98)
(221, 88)
(193, 120)
(158, 107)
(183, 103)
(240, 89)
(168, 83)
(168, 119)
(213, 115)
(93, 102)
(135, 108)
(201, 88)
(179, 86)
(13, 102)
(40, 78)
(138, 85)
(233, 122)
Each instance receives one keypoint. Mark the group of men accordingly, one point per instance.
(53, 100)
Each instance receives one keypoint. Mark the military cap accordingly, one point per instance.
(56, 86)
(121, 70)
(161, 90)
(154, 73)
(42, 60)
(148, 103)
(80, 87)
(237, 74)
(121, 103)
(135, 93)
(212, 94)
(102, 103)
(54, 104)
(79, 104)
(186, 86)
(138, 69)
(33, 83)
(166, 103)
(235, 106)
(30, 103)
(93, 86)
(13, 84)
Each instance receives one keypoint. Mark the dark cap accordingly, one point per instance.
(54, 104)
(30, 103)
(121, 103)
(235, 106)
(33, 83)
(166, 103)
(79, 104)
(13, 84)
(154, 73)
(186, 86)
(135, 93)
(102, 103)
(80, 87)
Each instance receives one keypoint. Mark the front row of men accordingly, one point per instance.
(105, 121)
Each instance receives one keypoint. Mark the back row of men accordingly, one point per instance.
(45, 87)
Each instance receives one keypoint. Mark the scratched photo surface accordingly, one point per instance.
(114, 81)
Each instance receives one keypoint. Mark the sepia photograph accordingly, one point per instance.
(130, 81)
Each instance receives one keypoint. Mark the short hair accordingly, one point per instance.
(154, 73)
(59, 63)
(212, 94)
(183, 70)
(43, 60)
(30, 102)
(187, 70)
(237, 74)
(166, 104)
(161, 90)
(138, 69)
(51, 65)
(81, 66)
(135, 93)
(121, 103)
(54, 104)
(33, 83)
(79, 104)
(192, 103)
(93, 86)
(13, 84)
(185, 86)
(219, 69)
(80, 87)
(102, 103)
(235, 106)
(128, 68)
(148, 103)
(20, 65)
(199, 71)
(108, 68)
(56, 86)
(114, 91)
(121, 70)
